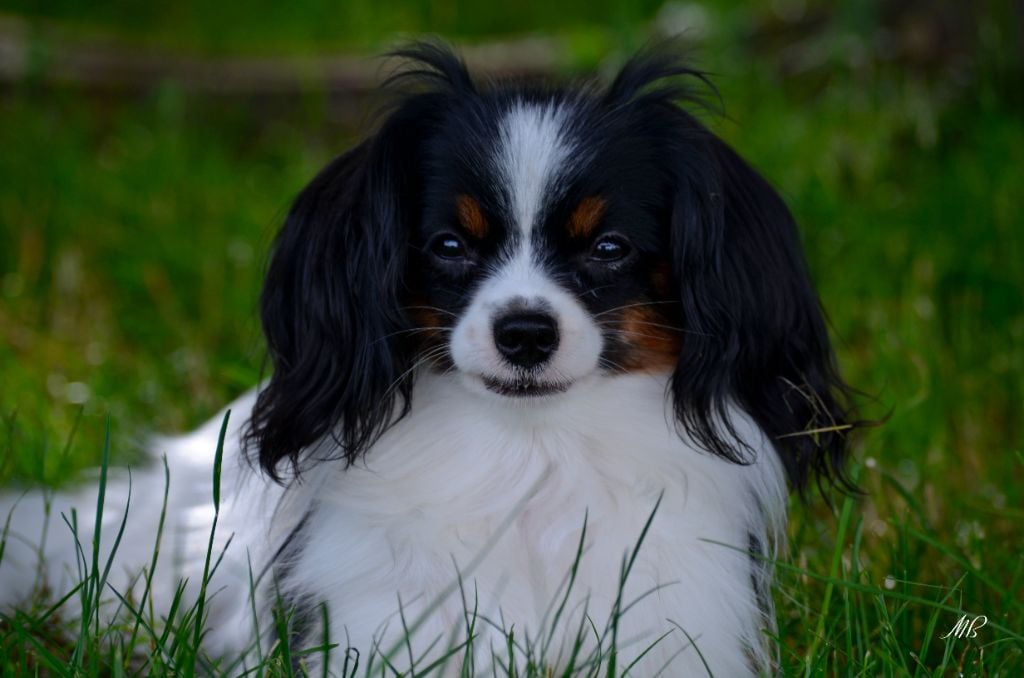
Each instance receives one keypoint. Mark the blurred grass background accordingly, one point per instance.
(135, 216)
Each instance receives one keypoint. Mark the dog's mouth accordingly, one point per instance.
(524, 387)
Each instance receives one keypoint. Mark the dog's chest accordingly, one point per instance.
(508, 546)
(501, 517)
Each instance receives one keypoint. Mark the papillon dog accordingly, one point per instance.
(547, 365)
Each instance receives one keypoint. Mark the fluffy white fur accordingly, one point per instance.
(494, 491)
(534, 152)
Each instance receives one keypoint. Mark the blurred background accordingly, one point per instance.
(148, 152)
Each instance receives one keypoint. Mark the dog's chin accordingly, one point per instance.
(524, 387)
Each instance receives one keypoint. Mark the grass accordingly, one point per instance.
(133, 232)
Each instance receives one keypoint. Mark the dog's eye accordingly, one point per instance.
(449, 247)
(609, 249)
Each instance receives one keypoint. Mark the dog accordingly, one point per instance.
(547, 365)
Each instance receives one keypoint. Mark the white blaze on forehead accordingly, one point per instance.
(532, 148)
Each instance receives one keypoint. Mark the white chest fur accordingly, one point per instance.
(497, 494)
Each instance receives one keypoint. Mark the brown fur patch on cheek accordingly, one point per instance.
(586, 216)
(471, 217)
(661, 277)
(652, 340)
(428, 331)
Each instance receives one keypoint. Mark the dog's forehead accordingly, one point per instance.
(532, 160)
(509, 157)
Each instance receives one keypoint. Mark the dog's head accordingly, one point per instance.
(528, 240)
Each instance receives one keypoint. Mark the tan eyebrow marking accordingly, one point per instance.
(585, 217)
(471, 216)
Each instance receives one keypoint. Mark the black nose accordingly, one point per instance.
(526, 339)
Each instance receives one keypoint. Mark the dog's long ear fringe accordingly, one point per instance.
(332, 300)
(756, 336)
(760, 333)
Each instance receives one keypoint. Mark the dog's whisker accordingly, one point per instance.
(420, 361)
(628, 306)
(435, 309)
(607, 362)
(413, 330)
(634, 333)
(610, 324)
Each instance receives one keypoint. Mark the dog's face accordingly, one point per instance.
(530, 240)
(540, 254)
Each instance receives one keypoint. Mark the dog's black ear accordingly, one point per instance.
(332, 302)
(756, 335)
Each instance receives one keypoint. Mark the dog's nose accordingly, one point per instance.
(526, 339)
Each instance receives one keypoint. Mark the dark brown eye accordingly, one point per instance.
(609, 249)
(449, 247)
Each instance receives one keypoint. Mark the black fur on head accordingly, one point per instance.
(753, 332)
